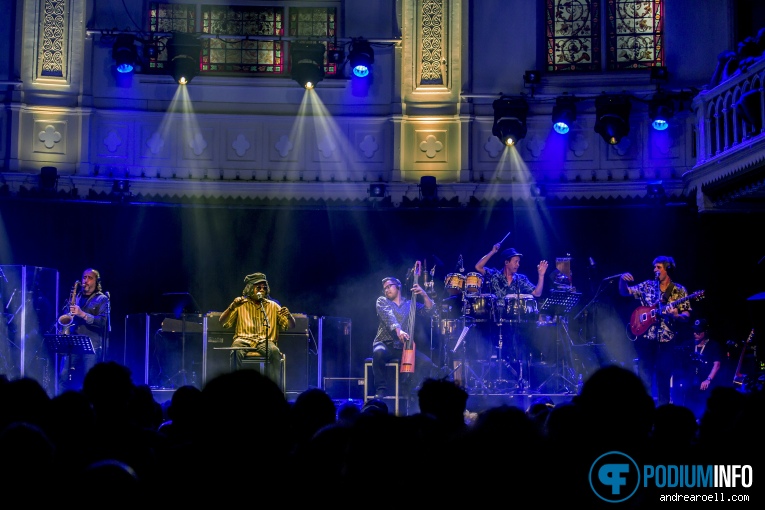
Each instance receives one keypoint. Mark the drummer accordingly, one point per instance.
(508, 281)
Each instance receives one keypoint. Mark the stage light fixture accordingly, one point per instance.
(183, 51)
(307, 64)
(564, 114)
(48, 182)
(124, 53)
(659, 73)
(661, 108)
(428, 188)
(121, 190)
(655, 189)
(361, 58)
(532, 77)
(151, 48)
(377, 190)
(612, 117)
(510, 119)
(335, 56)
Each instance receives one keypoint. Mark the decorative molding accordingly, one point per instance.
(433, 23)
(53, 39)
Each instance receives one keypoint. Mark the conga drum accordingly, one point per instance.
(474, 283)
(518, 308)
(454, 282)
(480, 307)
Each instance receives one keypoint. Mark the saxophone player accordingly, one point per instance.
(89, 310)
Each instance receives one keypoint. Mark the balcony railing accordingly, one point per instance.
(731, 114)
(731, 142)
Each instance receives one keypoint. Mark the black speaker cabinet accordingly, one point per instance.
(218, 362)
(299, 348)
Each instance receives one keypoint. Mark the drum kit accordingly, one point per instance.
(492, 317)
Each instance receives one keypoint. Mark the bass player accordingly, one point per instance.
(394, 311)
(654, 347)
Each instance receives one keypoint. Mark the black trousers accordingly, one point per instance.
(383, 353)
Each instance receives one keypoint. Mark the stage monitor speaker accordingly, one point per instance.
(299, 348)
(218, 362)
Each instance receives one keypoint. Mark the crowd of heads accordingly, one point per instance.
(239, 437)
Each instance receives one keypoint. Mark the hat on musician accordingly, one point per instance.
(510, 253)
(700, 325)
(255, 278)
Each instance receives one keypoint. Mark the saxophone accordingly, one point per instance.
(66, 320)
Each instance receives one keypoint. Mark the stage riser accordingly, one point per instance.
(478, 403)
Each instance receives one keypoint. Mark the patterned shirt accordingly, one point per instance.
(392, 316)
(499, 286)
(249, 325)
(648, 293)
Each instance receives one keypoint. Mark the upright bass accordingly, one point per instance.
(408, 356)
(740, 378)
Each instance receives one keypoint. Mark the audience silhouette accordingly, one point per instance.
(239, 437)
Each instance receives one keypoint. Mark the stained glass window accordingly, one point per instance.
(221, 55)
(242, 55)
(635, 34)
(573, 35)
(168, 18)
(632, 31)
(317, 22)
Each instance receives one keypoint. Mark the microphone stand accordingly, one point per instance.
(265, 322)
(659, 305)
(520, 353)
(108, 328)
(598, 292)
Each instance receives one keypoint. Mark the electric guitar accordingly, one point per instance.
(739, 378)
(643, 317)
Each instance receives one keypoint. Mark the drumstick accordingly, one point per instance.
(503, 239)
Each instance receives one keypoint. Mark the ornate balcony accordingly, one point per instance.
(729, 173)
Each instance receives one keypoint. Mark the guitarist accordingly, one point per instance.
(654, 348)
(393, 309)
(706, 360)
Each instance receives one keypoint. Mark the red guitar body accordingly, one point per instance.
(643, 317)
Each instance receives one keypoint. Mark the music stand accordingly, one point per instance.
(181, 303)
(67, 344)
(560, 304)
(464, 367)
